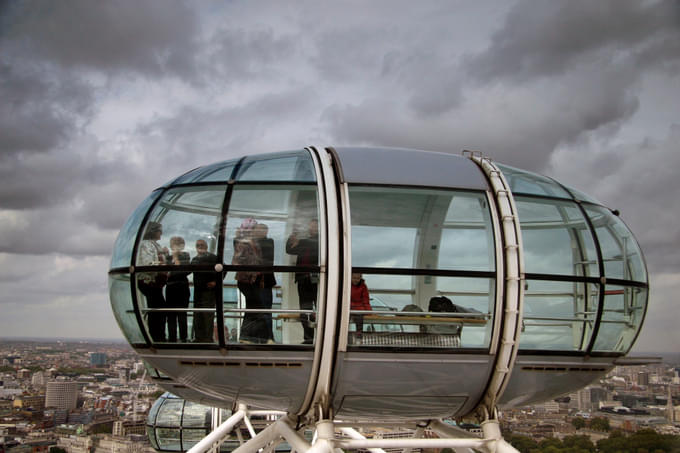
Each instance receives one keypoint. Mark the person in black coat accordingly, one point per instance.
(206, 285)
(265, 280)
(307, 251)
(177, 290)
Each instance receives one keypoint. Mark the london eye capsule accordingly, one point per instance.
(357, 281)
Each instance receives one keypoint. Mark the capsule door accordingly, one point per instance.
(418, 314)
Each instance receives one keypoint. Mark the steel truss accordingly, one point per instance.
(331, 436)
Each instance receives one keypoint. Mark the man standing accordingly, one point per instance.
(205, 287)
(307, 251)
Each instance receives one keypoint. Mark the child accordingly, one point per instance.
(359, 301)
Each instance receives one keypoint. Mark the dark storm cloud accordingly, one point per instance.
(38, 111)
(549, 38)
(516, 126)
(220, 133)
(585, 71)
(56, 177)
(150, 37)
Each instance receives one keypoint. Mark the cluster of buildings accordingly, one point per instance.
(75, 396)
(630, 398)
(93, 398)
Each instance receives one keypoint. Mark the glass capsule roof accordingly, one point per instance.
(409, 168)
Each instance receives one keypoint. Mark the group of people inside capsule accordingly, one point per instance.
(252, 247)
(176, 285)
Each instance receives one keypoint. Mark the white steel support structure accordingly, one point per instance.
(331, 435)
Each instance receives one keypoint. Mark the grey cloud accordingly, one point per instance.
(39, 111)
(199, 135)
(245, 54)
(54, 178)
(548, 38)
(430, 80)
(515, 125)
(151, 37)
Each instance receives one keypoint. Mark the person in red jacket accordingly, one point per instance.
(359, 301)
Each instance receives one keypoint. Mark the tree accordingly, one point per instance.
(550, 442)
(578, 422)
(578, 443)
(57, 450)
(600, 424)
(521, 443)
(645, 440)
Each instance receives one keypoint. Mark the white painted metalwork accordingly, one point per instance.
(329, 319)
(329, 436)
(513, 287)
(319, 169)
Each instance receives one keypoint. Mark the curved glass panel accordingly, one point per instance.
(281, 311)
(420, 228)
(188, 214)
(170, 318)
(270, 215)
(578, 195)
(170, 413)
(272, 225)
(620, 251)
(172, 418)
(624, 308)
(168, 439)
(196, 415)
(286, 166)
(153, 412)
(125, 242)
(558, 315)
(218, 172)
(556, 238)
(424, 312)
(123, 311)
(526, 182)
(191, 437)
(151, 434)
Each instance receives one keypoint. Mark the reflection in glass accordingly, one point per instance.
(425, 311)
(195, 415)
(284, 312)
(151, 434)
(220, 171)
(168, 439)
(121, 302)
(287, 166)
(526, 182)
(122, 249)
(558, 315)
(418, 228)
(171, 419)
(191, 437)
(620, 251)
(191, 213)
(282, 209)
(153, 412)
(170, 412)
(556, 238)
(624, 308)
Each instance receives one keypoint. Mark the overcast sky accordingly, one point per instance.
(101, 102)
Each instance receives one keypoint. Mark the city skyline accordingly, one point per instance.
(100, 114)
